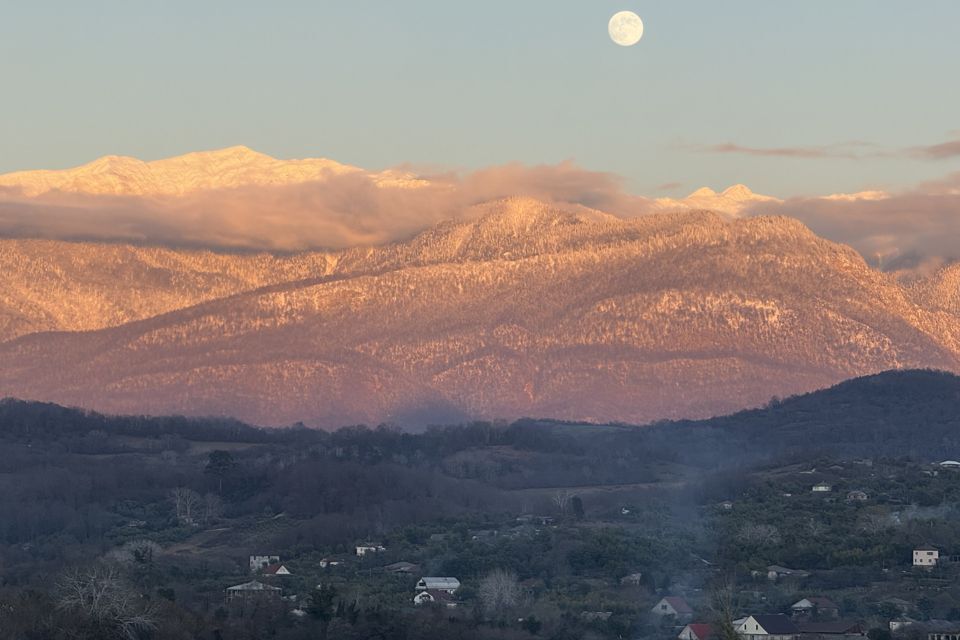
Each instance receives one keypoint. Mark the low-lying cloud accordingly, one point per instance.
(341, 211)
(918, 228)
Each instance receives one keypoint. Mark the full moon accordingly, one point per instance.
(626, 28)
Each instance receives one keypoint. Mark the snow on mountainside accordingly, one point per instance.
(530, 309)
(941, 291)
(225, 168)
(733, 200)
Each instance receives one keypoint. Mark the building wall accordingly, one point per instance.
(923, 558)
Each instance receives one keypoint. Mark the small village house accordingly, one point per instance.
(832, 629)
(257, 563)
(926, 556)
(775, 626)
(402, 567)
(449, 585)
(900, 623)
(276, 570)
(857, 496)
(673, 606)
(596, 616)
(696, 631)
(329, 562)
(822, 487)
(942, 630)
(814, 607)
(950, 464)
(433, 596)
(252, 591)
(632, 580)
(369, 548)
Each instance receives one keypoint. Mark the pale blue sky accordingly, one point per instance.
(463, 85)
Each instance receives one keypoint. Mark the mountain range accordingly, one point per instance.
(523, 308)
(232, 167)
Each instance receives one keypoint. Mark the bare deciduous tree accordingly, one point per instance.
(761, 534)
(187, 503)
(101, 596)
(499, 591)
(212, 507)
(875, 522)
(724, 607)
(562, 499)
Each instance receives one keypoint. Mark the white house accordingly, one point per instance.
(815, 607)
(768, 627)
(276, 570)
(926, 556)
(673, 606)
(329, 562)
(633, 579)
(430, 596)
(370, 547)
(822, 487)
(449, 585)
(950, 464)
(257, 563)
(696, 632)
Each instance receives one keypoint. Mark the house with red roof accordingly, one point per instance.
(696, 631)
(673, 606)
(275, 570)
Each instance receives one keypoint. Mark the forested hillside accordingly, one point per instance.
(569, 508)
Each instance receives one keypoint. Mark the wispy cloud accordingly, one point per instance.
(942, 151)
(849, 150)
(669, 186)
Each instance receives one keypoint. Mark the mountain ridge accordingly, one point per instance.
(530, 309)
(232, 167)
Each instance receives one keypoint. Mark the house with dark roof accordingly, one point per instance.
(942, 630)
(814, 607)
(435, 596)
(450, 585)
(252, 590)
(402, 567)
(673, 606)
(926, 556)
(775, 626)
(832, 629)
